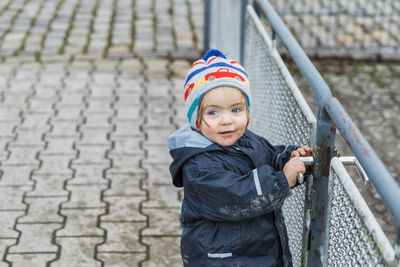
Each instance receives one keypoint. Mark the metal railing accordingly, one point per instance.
(280, 114)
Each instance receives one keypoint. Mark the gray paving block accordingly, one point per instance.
(164, 251)
(157, 135)
(77, 251)
(30, 259)
(7, 223)
(157, 154)
(85, 196)
(55, 164)
(23, 156)
(121, 259)
(117, 234)
(125, 185)
(162, 222)
(43, 210)
(35, 238)
(94, 136)
(128, 112)
(126, 163)
(124, 209)
(92, 155)
(98, 120)
(81, 222)
(60, 145)
(127, 129)
(11, 197)
(158, 174)
(163, 196)
(49, 185)
(16, 175)
(126, 145)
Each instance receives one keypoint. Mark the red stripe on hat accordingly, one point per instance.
(200, 62)
(188, 90)
(212, 59)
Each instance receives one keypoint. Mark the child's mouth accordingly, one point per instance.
(226, 133)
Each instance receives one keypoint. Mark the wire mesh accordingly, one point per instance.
(350, 242)
(277, 116)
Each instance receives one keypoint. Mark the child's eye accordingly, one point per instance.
(236, 110)
(211, 112)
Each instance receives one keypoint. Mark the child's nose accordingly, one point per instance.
(226, 119)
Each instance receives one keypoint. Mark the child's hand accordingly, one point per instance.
(292, 168)
(303, 151)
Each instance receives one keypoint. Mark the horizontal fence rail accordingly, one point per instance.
(281, 114)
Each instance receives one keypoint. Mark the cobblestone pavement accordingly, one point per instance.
(89, 92)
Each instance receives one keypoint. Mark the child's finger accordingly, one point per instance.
(307, 150)
(295, 154)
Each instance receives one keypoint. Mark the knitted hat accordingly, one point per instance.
(211, 71)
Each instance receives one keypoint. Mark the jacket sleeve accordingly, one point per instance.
(282, 155)
(217, 194)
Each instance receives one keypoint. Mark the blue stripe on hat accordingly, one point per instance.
(193, 106)
(219, 64)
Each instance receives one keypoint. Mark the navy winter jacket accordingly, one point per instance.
(231, 212)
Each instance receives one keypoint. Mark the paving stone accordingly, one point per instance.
(157, 136)
(158, 174)
(157, 154)
(78, 251)
(7, 223)
(125, 185)
(164, 251)
(163, 196)
(126, 145)
(95, 136)
(126, 163)
(23, 156)
(30, 259)
(127, 129)
(91, 155)
(49, 185)
(54, 164)
(115, 259)
(60, 145)
(81, 222)
(85, 196)
(123, 237)
(11, 197)
(163, 223)
(35, 238)
(124, 209)
(16, 175)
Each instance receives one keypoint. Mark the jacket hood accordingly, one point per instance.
(184, 144)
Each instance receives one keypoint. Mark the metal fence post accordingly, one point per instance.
(207, 25)
(323, 152)
(242, 30)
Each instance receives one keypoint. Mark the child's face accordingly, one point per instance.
(224, 113)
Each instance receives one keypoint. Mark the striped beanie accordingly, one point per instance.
(211, 71)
